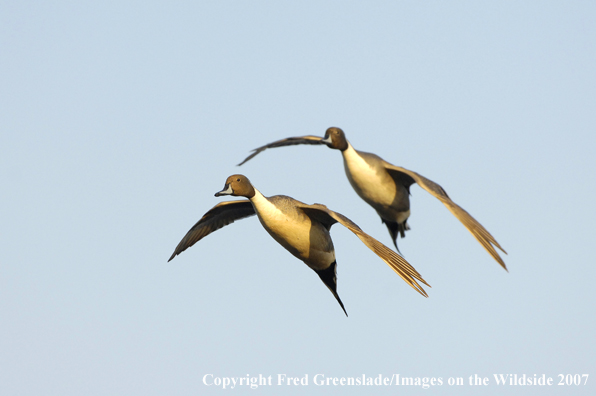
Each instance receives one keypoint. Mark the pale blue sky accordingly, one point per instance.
(120, 120)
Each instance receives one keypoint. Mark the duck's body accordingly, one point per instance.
(301, 229)
(386, 187)
(308, 240)
(373, 183)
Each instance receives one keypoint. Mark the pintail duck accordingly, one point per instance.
(301, 229)
(386, 187)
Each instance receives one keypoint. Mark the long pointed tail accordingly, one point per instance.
(329, 278)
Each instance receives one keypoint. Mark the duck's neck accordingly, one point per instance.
(258, 199)
(348, 149)
(350, 155)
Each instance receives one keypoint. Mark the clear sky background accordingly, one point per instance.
(120, 120)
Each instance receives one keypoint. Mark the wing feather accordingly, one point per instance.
(394, 260)
(219, 216)
(478, 231)
(292, 141)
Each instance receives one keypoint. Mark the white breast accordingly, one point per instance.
(372, 184)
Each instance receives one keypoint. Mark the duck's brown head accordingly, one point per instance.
(237, 186)
(335, 138)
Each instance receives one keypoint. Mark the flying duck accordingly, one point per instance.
(386, 187)
(301, 229)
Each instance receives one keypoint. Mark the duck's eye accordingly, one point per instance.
(238, 180)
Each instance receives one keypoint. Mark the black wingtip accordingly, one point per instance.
(243, 162)
(251, 156)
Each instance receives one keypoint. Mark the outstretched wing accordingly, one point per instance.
(219, 216)
(408, 177)
(394, 260)
(286, 142)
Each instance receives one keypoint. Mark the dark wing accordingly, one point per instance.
(395, 261)
(219, 216)
(286, 142)
(409, 177)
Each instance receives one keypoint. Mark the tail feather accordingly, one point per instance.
(396, 229)
(329, 278)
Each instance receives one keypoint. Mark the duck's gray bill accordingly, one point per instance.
(226, 191)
